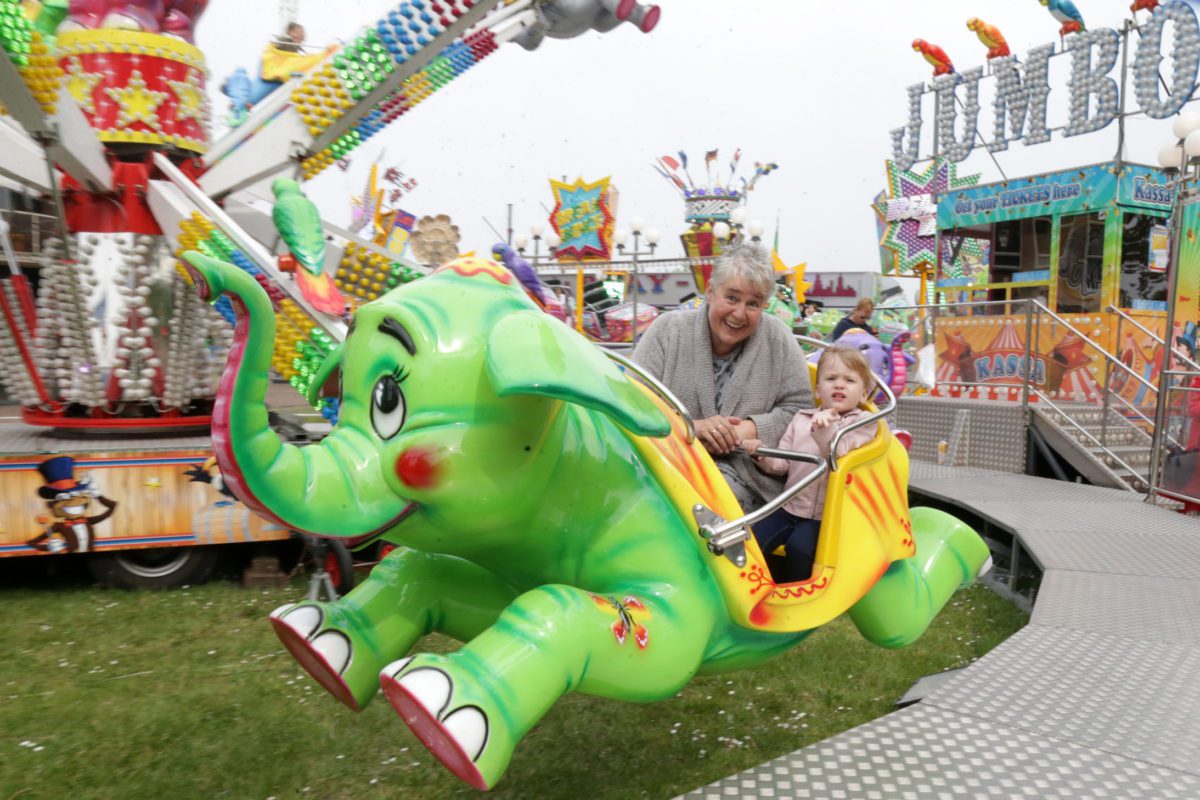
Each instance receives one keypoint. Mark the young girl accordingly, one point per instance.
(843, 380)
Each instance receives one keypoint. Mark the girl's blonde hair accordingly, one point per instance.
(855, 360)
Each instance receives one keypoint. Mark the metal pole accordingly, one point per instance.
(634, 286)
(508, 241)
(1029, 358)
(1108, 386)
(1164, 378)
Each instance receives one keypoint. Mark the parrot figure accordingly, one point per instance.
(1065, 12)
(520, 267)
(991, 37)
(299, 225)
(935, 56)
(1144, 5)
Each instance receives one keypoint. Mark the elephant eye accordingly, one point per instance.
(387, 407)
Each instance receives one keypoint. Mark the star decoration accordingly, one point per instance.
(138, 103)
(581, 218)
(153, 483)
(910, 211)
(82, 85)
(800, 290)
(190, 96)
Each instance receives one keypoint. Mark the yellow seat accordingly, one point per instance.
(865, 528)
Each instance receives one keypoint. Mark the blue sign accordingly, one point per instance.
(1076, 191)
(1033, 276)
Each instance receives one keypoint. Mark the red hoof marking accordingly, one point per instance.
(314, 664)
(849, 479)
(625, 8)
(433, 735)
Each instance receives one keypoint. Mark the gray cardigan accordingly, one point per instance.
(769, 385)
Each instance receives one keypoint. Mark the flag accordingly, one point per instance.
(683, 159)
(669, 162)
(710, 156)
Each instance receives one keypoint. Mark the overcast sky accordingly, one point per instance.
(812, 86)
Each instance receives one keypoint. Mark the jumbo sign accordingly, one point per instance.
(1023, 89)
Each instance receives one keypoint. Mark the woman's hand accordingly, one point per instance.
(718, 435)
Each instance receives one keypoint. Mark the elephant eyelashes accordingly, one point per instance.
(387, 405)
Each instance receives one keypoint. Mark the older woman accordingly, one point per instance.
(738, 371)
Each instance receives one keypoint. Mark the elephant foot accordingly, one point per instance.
(448, 711)
(325, 654)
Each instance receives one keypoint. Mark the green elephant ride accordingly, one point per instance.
(546, 508)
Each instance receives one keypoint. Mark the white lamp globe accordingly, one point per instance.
(636, 224)
(552, 240)
(620, 236)
(653, 235)
(1191, 145)
(520, 240)
(737, 216)
(720, 230)
(755, 228)
(1185, 123)
(537, 229)
(1170, 156)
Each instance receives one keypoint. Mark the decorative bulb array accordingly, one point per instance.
(353, 74)
(366, 274)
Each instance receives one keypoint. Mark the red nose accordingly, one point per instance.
(417, 467)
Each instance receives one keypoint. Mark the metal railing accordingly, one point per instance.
(28, 232)
(1036, 314)
(1175, 474)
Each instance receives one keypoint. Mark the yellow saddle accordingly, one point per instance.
(865, 528)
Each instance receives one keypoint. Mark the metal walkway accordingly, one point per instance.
(1097, 697)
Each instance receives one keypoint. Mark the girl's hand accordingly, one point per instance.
(824, 418)
(751, 445)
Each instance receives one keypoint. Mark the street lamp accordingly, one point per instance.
(620, 237)
(1172, 156)
(537, 232)
(755, 229)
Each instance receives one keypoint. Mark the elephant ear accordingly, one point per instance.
(532, 353)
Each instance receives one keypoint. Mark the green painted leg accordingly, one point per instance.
(472, 707)
(900, 606)
(343, 645)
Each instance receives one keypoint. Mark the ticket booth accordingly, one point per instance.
(1081, 241)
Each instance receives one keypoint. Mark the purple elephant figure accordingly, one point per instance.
(566, 19)
(172, 17)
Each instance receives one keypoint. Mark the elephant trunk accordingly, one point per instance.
(326, 489)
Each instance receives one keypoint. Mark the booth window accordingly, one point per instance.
(1080, 263)
(1022, 245)
(1141, 288)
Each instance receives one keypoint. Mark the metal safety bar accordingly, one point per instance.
(722, 535)
(659, 389)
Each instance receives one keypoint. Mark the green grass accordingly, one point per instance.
(188, 694)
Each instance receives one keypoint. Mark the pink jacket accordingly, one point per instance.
(801, 438)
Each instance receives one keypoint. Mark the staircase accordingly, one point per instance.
(1102, 444)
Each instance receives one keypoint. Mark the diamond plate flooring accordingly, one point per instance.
(925, 752)
(1137, 607)
(1098, 697)
(1125, 696)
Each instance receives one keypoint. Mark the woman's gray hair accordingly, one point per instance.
(751, 262)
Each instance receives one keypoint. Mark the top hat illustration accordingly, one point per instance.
(58, 472)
